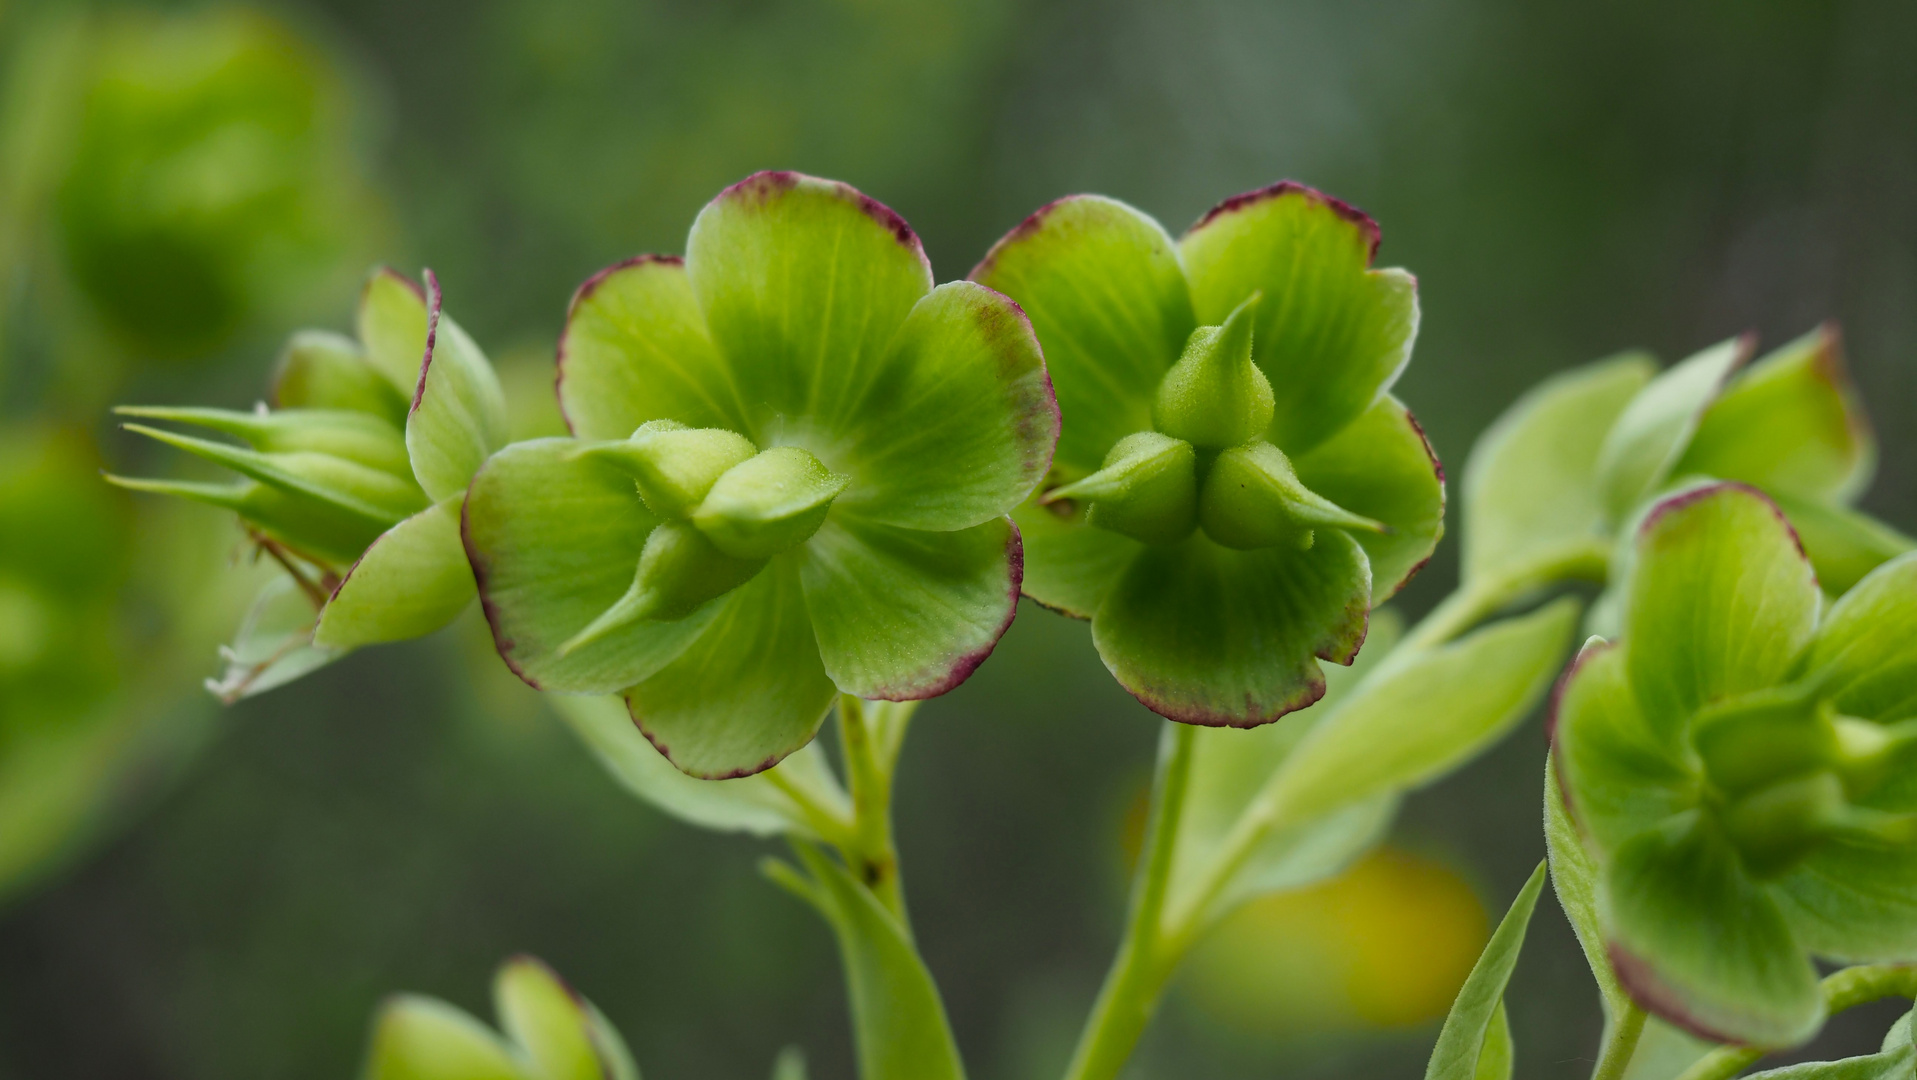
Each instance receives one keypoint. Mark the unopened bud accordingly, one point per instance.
(674, 465)
(679, 570)
(1253, 499)
(1147, 490)
(1214, 396)
(768, 504)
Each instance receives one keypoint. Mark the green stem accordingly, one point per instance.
(1843, 989)
(1138, 974)
(869, 756)
(1620, 1043)
(1476, 601)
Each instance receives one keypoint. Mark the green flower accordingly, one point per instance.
(353, 482)
(792, 462)
(1235, 487)
(1745, 769)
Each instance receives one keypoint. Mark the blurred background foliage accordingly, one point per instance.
(201, 893)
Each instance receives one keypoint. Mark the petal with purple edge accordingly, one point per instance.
(959, 426)
(748, 692)
(1619, 778)
(1204, 634)
(391, 323)
(903, 614)
(1070, 565)
(413, 580)
(459, 411)
(803, 283)
(1382, 467)
(635, 348)
(1103, 287)
(1332, 333)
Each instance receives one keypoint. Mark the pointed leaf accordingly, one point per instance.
(1866, 649)
(1462, 1043)
(1332, 333)
(1791, 423)
(1721, 601)
(1530, 486)
(1898, 1063)
(803, 283)
(548, 1020)
(459, 411)
(1650, 436)
(1620, 776)
(1574, 873)
(1381, 467)
(1104, 290)
(274, 644)
(635, 349)
(1203, 634)
(903, 614)
(1700, 944)
(959, 426)
(1497, 1057)
(554, 540)
(757, 804)
(749, 691)
(413, 580)
(898, 1022)
(1069, 564)
(419, 1038)
(1843, 544)
(392, 328)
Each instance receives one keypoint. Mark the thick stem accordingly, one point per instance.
(1478, 600)
(1843, 989)
(1620, 1043)
(872, 855)
(1130, 994)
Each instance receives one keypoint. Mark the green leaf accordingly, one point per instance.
(759, 805)
(1700, 944)
(392, 328)
(749, 691)
(959, 426)
(321, 370)
(1843, 544)
(547, 1019)
(803, 283)
(1332, 334)
(1381, 467)
(1650, 435)
(1069, 564)
(1620, 776)
(1791, 423)
(903, 614)
(1204, 634)
(1466, 1037)
(418, 1038)
(1894, 1064)
(459, 411)
(1866, 649)
(898, 1022)
(1574, 872)
(1423, 714)
(635, 349)
(413, 580)
(554, 540)
(1497, 1057)
(1102, 284)
(1530, 488)
(274, 644)
(1721, 601)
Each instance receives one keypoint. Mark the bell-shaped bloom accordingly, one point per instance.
(791, 467)
(1743, 764)
(353, 482)
(1235, 487)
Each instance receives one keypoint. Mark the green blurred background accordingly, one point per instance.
(211, 893)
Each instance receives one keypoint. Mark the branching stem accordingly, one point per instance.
(869, 739)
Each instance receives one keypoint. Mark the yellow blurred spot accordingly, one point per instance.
(1385, 944)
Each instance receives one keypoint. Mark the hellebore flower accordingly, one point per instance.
(1745, 770)
(792, 462)
(1234, 488)
(353, 482)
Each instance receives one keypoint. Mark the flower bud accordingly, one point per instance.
(1214, 396)
(675, 465)
(769, 503)
(322, 370)
(1148, 489)
(1253, 499)
(679, 570)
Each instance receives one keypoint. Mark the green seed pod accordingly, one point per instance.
(679, 569)
(1214, 396)
(674, 465)
(1252, 498)
(1148, 489)
(358, 437)
(768, 504)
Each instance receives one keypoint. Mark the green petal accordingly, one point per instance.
(1480, 1001)
(1791, 423)
(392, 328)
(273, 646)
(1894, 1063)
(1843, 544)
(548, 1020)
(635, 349)
(321, 370)
(1649, 437)
(1620, 778)
(1203, 634)
(1702, 945)
(1866, 649)
(1332, 333)
(459, 411)
(419, 1038)
(1530, 486)
(1103, 287)
(1070, 565)
(748, 692)
(413, 580)
(1574, 872)
(554, 540)
(1721, 601)
(903, 614)
(960, 427)
(1854, 902)
(803, 283)
(1381, 467)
